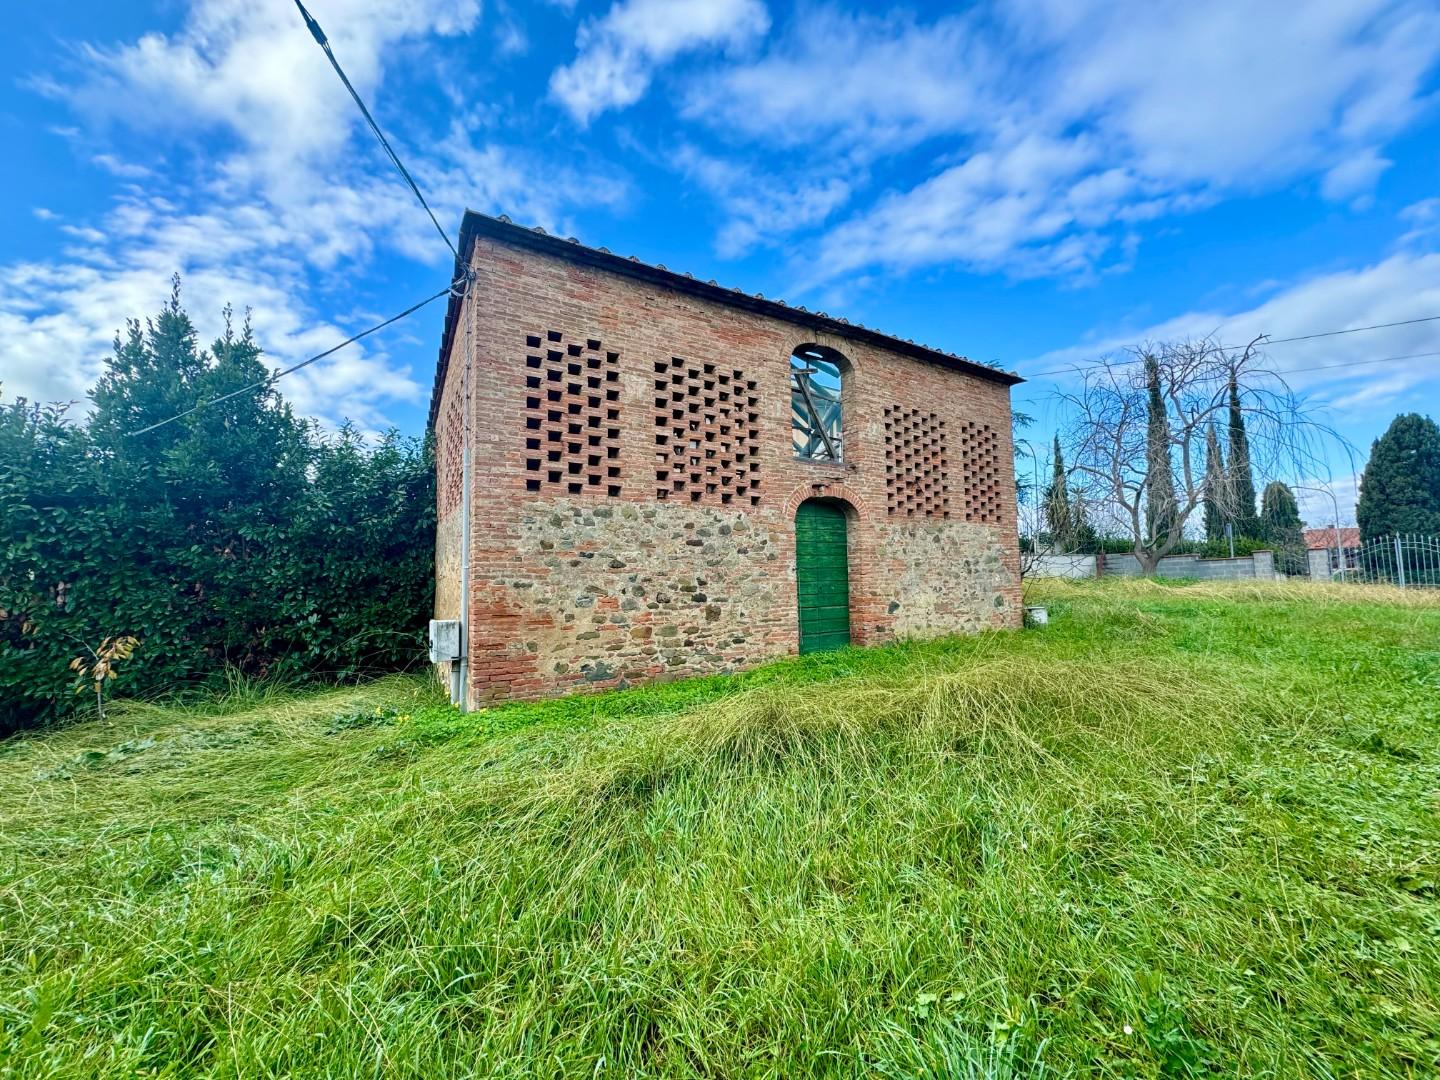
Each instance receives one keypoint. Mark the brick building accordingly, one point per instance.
(666, 477)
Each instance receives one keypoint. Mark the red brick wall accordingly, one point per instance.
(449, 462)
(583, 575)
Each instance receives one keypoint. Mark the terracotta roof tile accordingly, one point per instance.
(1320, 539)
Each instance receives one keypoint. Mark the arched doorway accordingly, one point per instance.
(822, 575)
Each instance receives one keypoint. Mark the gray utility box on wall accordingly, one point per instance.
(444, 640)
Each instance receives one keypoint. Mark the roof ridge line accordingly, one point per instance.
(502, 228)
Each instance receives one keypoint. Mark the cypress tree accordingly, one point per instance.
(1059, 518)
(1217, 496)
(1282, 527)
(1161, 509)
(1242, 483)
(1400, 488)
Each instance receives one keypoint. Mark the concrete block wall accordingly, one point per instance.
(1062, 566)
(1260, 564)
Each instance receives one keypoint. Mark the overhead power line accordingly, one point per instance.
(269, 379)
(324, 43)
(1357, 363)
(1074, 368)
(1280, 371)
(1352, 330)
(462, 282)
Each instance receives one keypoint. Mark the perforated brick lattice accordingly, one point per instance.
(572, 416)
(983, 500)
(706, 434)
(917, 465)
(450, 455)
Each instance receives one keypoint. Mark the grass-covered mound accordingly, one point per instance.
(1181, 831)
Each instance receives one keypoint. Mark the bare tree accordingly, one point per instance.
(1139, 434)
(1032, 557)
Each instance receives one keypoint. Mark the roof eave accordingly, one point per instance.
(475, 224)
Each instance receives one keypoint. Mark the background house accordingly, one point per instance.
(1324, 556)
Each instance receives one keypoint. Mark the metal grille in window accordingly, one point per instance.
(983, 502)
(706, 434)
(917, 464)
(572, 416)
(816, 423)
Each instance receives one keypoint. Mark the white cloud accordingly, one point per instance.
(128, 170)
(619, 52)
(1353, 376)
(284, 217)
(1231, 92)
(761, 211)
(511, 40)
(875, 83)
(1141, 109)
(283, 258)
(83, 232)
(1018, 208)
(1321, 498)
(1352, 383)
(1423, 221)
(57, 319)
(1356, 176)
(1377, 389)
(251, 68)
(249, 72)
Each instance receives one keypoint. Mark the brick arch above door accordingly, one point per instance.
(827, 489)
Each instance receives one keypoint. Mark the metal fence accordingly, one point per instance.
(1409, 561)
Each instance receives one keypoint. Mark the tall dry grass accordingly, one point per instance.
(1178, 832)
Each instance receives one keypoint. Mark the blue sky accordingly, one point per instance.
(1031, 183)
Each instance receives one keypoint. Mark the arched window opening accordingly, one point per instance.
(816, 375)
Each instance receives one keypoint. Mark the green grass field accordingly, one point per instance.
(1183, 831)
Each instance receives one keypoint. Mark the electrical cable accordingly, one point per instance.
(1077, 368)
(324, 43)
(1357, 363)
(466, 274)
(272, 378)
(1353, 330)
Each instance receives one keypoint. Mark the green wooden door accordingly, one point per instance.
(822, 576)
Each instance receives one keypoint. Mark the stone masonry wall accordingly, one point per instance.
(943, 577)
(634, 486)
(634, 592)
